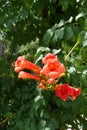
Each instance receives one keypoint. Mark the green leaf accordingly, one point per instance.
(71, 70)
(42, 49)
(33, 125)
(56, 51)
(58, 25)
(81, 36)
(47, 128)
(58, 34)
(20, 125)
(68, 33)
(56, 31)
(79, 16)
(53, 124)
(47, 37)
(83, 53)
(64, 4)
(41, 125)
(84, 77)
(85, 40)
(39, 58)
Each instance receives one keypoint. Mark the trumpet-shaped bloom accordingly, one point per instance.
(25, 75)
(64, 91)
(48, 57)
(52, 68)
(21, 64)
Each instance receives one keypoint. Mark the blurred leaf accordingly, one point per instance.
(64, 4)
(42, 49)
(83, 53)
(33, 125)
(58, 34)
(41, 125)
(79, 16)
(68, 33)
(47, 37)
(85, 40)
(81, 36)
(56, 51)
(71, 70)
(53, 124)
(20, 125)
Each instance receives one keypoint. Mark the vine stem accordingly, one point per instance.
(67, 56)
(5, 120)
(2, 122)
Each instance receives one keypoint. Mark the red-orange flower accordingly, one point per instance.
(21, 64)
(75, 92)
(52, 68)
(25, 75)
(64, 91)
(48, 57)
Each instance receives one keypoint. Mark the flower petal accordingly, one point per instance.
(25, 75)
(21, 64)
(48, 57)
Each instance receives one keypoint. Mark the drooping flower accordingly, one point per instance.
(25, 75)
(52, 68)
(64, 91)
(22, 63)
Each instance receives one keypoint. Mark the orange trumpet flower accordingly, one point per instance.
(64, 91)
(21, 64)
(52, 68)
(25, 75)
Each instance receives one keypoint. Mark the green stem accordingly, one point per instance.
(66, 58)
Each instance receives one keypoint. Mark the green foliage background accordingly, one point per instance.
(35, 28)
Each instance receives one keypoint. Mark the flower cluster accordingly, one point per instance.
(48, 76)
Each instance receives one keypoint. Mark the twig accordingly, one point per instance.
(2, 122)
(66, 58)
